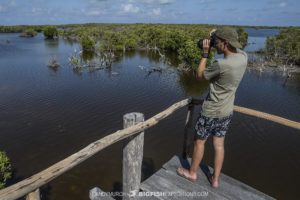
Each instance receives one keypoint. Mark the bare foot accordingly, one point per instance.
(214, 182)
(186, 174)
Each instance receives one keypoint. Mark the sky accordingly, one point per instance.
(229, 12)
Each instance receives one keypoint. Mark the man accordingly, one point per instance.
(224, 76)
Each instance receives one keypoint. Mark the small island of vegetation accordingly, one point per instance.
(5, 169)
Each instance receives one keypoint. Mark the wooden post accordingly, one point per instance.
(187, 137)
(35, 195)
(132, 156)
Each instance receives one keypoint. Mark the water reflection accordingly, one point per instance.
(296, 80)
(88, 55)
(51, 43)
(152, 56)
(172, 59)
(77, 70)
(292, 83)
(191, 85)
(53, 69)
(118, 56)
(69, 41)
(130, 54)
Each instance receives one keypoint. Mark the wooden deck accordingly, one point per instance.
(166, 184)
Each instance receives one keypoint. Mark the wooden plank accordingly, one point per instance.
(175, 187)
(132, 156)
(267, 116)
(35, 195)
(32, 183)
(97, 194)
(229, 187)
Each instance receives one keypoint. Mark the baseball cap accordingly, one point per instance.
(229, 34)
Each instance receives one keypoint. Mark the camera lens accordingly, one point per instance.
(200, 44)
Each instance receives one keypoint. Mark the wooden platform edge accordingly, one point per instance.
(250, 192)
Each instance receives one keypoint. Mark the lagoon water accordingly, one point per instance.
(47, 115)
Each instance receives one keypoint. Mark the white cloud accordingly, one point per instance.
(94, 13)
(276, 4)
(156, 11)
(36, 10)
(153, 1)
(129, 8)
(282, 4)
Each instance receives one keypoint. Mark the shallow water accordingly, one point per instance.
(47, 115)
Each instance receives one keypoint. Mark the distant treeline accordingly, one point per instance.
(39, 28)
(179, 38)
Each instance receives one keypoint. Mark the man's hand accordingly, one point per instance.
(206, 47)
(206, 50)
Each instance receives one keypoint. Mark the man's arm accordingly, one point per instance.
(206, 50)
(201, 68)
(202, 65)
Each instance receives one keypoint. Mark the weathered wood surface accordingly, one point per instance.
(176, 187)
(97, 194)
(30, 184)
(259, 114)
(187, 133)
(166, 180)
(34, 195)
(267, 116)
(132, 156)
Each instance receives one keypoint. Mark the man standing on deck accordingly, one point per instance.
(224, 76)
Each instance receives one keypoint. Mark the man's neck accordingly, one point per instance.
(227, 53)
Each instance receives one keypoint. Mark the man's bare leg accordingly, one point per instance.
(219, 151)
(198, 152)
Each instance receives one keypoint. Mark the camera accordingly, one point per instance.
(212, 41)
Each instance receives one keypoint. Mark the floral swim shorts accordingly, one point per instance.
(205, 126)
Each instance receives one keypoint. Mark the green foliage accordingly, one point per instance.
(243, 36)
(284, 47)
(12, 29)
(19, 29)
(173, 40)
(130, 42)
(191, 55)
(30, 33)
(38, 29)
(50, 32)
(5, 169)
(87, 42)
(112, 41)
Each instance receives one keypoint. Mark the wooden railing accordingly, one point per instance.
(134, 125)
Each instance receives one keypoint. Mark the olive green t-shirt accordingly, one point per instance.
(224, 76)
